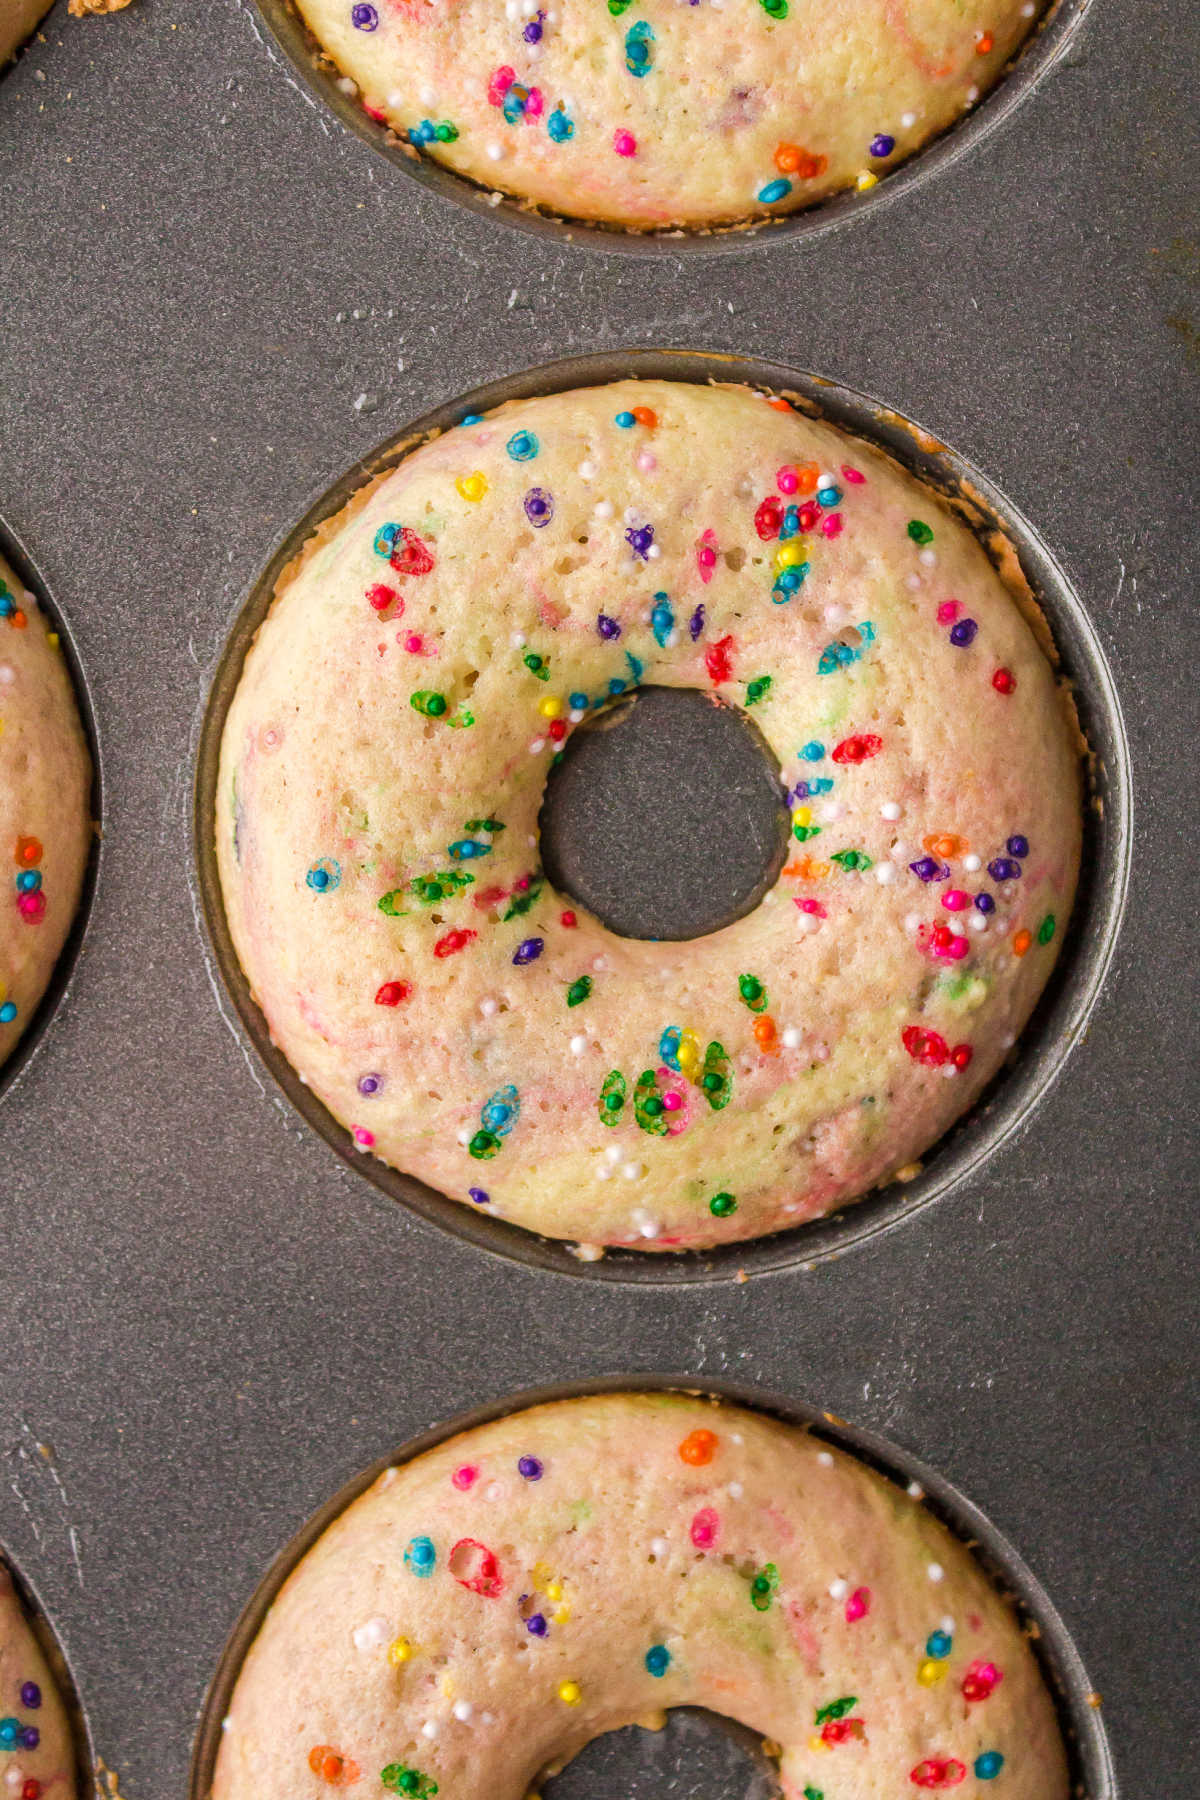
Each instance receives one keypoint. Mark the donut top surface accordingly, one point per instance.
(45, 783)
(651, 113)
(36, 1758)
(383, 765)
(486, 1610)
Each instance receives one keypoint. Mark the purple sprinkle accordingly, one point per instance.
(480, 1196)
(696, 624)
(1004, 869)
(984, 903)
(539, 507)
(640, 538)
(1018, 846)
(364, 18)
(31, 1737)
(31, 1695)
(533, 31)
(883, 145)
(529, 950)
(369, 1084)
(530, 1468)
(537, 1625)
(928, 870)
(608, 628)
(963, 633)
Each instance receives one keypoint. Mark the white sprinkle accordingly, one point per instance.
(578, 1045)
(912, 581)
(977, 921)
(825, 1459)
(838, 1589)
(791, 1038)
(587, 471)
(832, 811)
(648, 1229)
(654, 552)
(430, 1728)
(612, 1154)
(949, 1070)
(372, 1634)
(518, 640)
(735, 1490)
(947, 1625)
(834, 615)
(463, 1710)
(911, 921)
(537, 746)
(909, 119)
(494, 152)
(935, 1571)
(972, 95)
(632, 1171)
(604, 509)
(809, 923)
(885, 874)
(915, 1491)
(647, 461)
(489, 1006)
(464, 1137)
(972, 862)
(890, 809)
(659, 1546)
(575, 715)
(928, 557)
(599, 963)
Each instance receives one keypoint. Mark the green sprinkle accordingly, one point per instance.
(920, 532)
(483, 1146)
(520, 904)
(537, 665)
(398, 1778)
(393, 904)
(758, 689)
(717, 1080)
(579, 990)
(647, 1104)
(490, 825)
(612, 1097)
(802, 833)
(812, 1793)
(1046, 929)
(837, 1709)
(764, 1587)
(753, 992)
(721, 1205)
(852, 859)
(434, 706)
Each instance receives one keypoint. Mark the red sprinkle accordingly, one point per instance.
(393, 992)
(928, 1047)
(1004, 681)
(411, 555)
(718, 661)
(857, 749)
(475, 1567)
(380, 597)
(939, 1772)
(568, 919)
(981, 1679)
(769, 518)
(840, 1731)
(453, 942)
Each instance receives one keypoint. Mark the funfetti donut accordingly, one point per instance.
(652, 113)
(45, 822)
(37, 1761)
(383, 764)
(484, 1611)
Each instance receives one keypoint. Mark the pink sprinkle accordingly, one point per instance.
(373, 112)
(32, 907)
(533, 106)
(412, 642)
(465, 1477)
(706, 555)
(812, 906)
(859, 1603)
(947, 612)
(957, 949)
(706, 1528)
(624, 143)
(647, 461)
(671, 1102)
(955, 900)
(500, 83)
(831, 526)
(363, 1138)
(787, 481)
(853, 476)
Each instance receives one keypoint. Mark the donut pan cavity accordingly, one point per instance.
(1025, 73)
(27, 1045)
(210, 1316)
(1062, 1015)
(1083, 1733)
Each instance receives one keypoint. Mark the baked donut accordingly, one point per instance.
(485, 1610)
(382, 769)
(37, 1761)
(45, 788)
(17, 20)
(650, 113)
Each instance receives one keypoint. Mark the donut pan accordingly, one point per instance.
(219, 301)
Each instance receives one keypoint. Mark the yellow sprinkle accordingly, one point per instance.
(562, 1614)
(447, 1686)
(791, 553)
(472, 487)
(550, 707)
(930, 1672)
(554, 1590)
(817, 1743)
(399, 1651)
(802, 815)
(570, 1692)
(866, 180)
(52, 639)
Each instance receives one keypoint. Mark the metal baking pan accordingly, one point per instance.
(212, 1320)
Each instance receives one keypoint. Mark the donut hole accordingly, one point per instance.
(644, 790)
(692, 1755)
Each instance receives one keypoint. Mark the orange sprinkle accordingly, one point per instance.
(764, 1032)
(1022, 942)
(19, 621)
(645, 416)
(945, 844)
(698, 1448)
(29, 850)
(807, 477)
(779, 403)
(332, 1766)
(787, 158)
(984, 43)
(805, 869)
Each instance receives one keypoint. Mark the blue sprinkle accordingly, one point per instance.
(537, 1625)
(421, 1557)
(774, 190)
(522, 446)
(636, 666)
(638, 54)
(617, 687)
(502, 1111)
(989, 1765)
(480, 1196)
(883, 145)
(578, 702)
(625, 420)
(828, 496)
(324, 876)
(364, 18)
(668, 1046)
(658, 1660)
(472, 419)
(8, 1013)
(560, 126)
(813, 752)
(385, 539)
(938, 1645)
